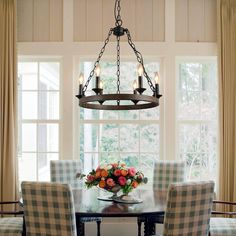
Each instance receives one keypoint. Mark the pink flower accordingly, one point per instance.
(114, 165)
(132, 171)
(122, 180)
(110, 182)
(117, 172)
(90, 178)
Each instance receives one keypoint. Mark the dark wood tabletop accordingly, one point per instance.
(87, 205)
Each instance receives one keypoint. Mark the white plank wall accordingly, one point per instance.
(195, 20)
(25, 20)
(80, 15)
(56, 20)
(42, 20)
(41, 28)
(145, 19)
(39, 20)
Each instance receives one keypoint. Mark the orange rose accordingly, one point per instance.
(124, 172)
(134, 184)
(98, 174)
(102, 184)
(104, 173)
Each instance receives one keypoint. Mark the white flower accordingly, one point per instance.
(128, 181)
(108, 167)
(103, 166)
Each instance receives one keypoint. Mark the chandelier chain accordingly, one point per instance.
(117, 11)
(139, 59)
(118, 64)
(97, 61)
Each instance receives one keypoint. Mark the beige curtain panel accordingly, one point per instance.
(8, 88)
(227, 98)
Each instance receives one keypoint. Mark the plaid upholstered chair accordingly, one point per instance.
(221, 226)
(64, 171)
(165, 173)
(11, 226)
(48, 209)
(188, 209)
(168, 172)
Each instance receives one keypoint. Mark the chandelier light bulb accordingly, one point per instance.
(156, 77)
(140, 70)
(98, 70)
(101, 84)
(81, 78)
(135, 86)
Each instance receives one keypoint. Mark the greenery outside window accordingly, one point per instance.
(197, 112)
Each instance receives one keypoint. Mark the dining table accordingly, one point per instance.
(149, 204)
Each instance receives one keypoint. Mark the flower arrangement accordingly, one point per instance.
(114, 177)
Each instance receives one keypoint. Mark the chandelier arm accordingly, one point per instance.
(139, 59)
(97, 61)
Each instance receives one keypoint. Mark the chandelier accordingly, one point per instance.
(119, 101)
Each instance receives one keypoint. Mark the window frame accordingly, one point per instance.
(20, 121)
(195, 59)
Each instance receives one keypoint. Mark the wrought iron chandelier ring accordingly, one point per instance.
(134, 101)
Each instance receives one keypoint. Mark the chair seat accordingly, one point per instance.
(222, 226)
(11, 226)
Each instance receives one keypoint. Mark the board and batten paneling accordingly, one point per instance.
(195, 21)
(40, 20)
(145, 19)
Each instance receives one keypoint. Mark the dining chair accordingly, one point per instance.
(188, 209)
(220, 226)
(64, 171)
(48, 209)
(165, 173)
(11, 226)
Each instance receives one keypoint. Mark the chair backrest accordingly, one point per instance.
(166, 173)
(64, 171)
(48, 209)
(188, 209)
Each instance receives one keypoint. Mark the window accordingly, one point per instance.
(38, 117)
(129, 136)
(197, 111)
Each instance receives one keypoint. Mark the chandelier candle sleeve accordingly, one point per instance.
(140, 76)
(156, 80)
(97, 72)
(81, 81)
(135, 86)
